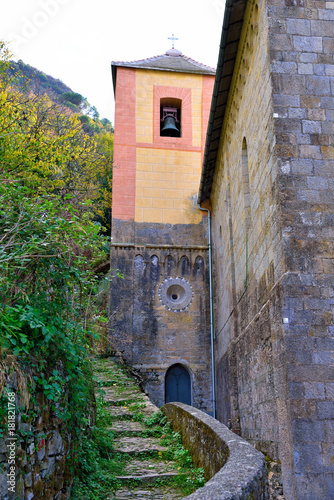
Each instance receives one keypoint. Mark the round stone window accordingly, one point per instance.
(176, 294)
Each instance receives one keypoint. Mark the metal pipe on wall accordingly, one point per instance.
(211, 313)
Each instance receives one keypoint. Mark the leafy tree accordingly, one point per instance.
(107, 125)
(46, 145)
(26, 78)
(73, 97)
(94, 113)
(89, 126)
(50, 185)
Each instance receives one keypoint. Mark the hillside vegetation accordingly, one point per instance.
(55, 196)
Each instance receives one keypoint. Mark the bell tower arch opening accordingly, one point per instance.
(170, 117)
(178, 385)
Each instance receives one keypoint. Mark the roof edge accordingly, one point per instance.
(214, 114)
(202, 69)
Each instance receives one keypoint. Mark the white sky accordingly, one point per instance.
(75, 40)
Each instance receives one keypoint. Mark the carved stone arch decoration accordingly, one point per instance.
(154, 260)
(198, 269)
(176, 294)
(184, 266)
(170, 265)
(154, 267)
(139, 266)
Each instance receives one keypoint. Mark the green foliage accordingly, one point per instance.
(107, 125)
(89, 125)
(176, 451)
(43, 120)
(158, 418)
(73, 98)
(98, 466)
(49, 246)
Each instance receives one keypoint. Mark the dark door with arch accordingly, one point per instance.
(178, 385)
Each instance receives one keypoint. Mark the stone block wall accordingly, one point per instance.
(41, 447)
(248, 250)
(302, 65)
(251, 377)
(146, 327)
(273, 203)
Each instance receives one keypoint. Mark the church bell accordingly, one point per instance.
(169, 119)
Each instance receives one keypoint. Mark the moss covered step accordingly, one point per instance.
(119, 394)
(147, 478)
(121, 427)
(138, 445)
(145, 467)
(154, 493)
(147, 411)
(139, 456)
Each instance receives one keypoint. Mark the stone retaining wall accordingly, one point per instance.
(34, 455)
(233, 468)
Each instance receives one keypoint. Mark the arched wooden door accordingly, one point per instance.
(178, 385)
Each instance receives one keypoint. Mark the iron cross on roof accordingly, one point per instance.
(172, 38)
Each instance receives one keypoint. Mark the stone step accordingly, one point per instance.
(150, 466)
(137, 445)
(144, 473)
(127, 426)
(111, 378)
(117, 401)
(161, 493)
(146, 478)
(119, 412)
(114, 378)
(121, 390)
(125, 412)
(123, 395)
(119, 387)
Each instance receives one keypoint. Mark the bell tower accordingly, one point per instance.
(159, 311)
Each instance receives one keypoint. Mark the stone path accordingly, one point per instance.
(146, 472)
(139, 455)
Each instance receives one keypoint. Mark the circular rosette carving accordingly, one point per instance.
(176, 294)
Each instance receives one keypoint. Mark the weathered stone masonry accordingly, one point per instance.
(268, 176)
(43, 445)
(302, 44)
(147, 331)
(272, 204)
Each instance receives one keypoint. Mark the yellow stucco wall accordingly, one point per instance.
(167, 185)
(167, 180)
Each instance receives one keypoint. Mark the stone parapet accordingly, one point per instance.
(233, 468)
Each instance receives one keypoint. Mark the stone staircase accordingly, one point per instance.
(145, 468)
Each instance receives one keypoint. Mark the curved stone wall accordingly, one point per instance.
(233, 468)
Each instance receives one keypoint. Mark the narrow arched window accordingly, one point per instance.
(245, 185)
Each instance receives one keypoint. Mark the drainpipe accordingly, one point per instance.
(211, 313)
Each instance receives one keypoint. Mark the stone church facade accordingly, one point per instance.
(267, 179)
